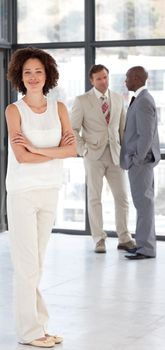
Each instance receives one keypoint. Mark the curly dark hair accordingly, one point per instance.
(96, 68)
(18, 59)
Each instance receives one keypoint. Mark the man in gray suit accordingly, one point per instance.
(98, 120)
(140, 152)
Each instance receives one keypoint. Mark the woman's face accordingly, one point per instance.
(33, 75)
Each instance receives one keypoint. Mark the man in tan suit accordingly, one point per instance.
(98, 120)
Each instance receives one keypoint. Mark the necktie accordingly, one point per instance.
(132, 99)
(105, 108)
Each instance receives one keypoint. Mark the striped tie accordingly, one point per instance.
(105, 108)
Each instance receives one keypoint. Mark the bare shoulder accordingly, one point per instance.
(62, 110)
(10, 107)
(61, 106)
(11, 110)
(13, 118)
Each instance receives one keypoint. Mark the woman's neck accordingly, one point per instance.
(38, 103)
(35, 100)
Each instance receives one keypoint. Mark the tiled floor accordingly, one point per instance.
(97, 302)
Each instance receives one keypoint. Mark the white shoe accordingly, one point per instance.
(100, 246)
(57, 339)
(42, 343)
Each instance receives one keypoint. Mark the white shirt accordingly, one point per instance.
(137, 92)
(100, 94)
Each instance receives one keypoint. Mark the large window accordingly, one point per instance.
(58, 26)
(79, 34)
(130, 19)
(49, 20)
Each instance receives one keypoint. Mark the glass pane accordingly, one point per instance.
(50, 21)
(160, 196)
(3, 21)
(142, 19)
(119, 60)
(71, 207)
(71, 68)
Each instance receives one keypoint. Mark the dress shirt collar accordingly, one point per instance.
(99, 94)
(137, 92)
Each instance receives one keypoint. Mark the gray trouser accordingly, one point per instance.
(142, 189)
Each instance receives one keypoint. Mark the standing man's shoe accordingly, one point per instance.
(100, 246)
(138, 256)
(129, 246)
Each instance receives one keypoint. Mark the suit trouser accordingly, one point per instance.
(142, 189)
(31, 215)
(95, 171)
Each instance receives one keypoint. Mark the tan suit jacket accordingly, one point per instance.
(90, 127)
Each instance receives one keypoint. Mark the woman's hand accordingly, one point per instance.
(20, 139)
(67, 139)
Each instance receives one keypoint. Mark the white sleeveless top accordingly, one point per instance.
(43, 130)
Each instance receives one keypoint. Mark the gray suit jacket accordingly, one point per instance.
(140, 144)
(90, 127)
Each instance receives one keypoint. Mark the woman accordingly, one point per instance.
(40, 135)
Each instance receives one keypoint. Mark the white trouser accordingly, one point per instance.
(116, 178)
(31, 215)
